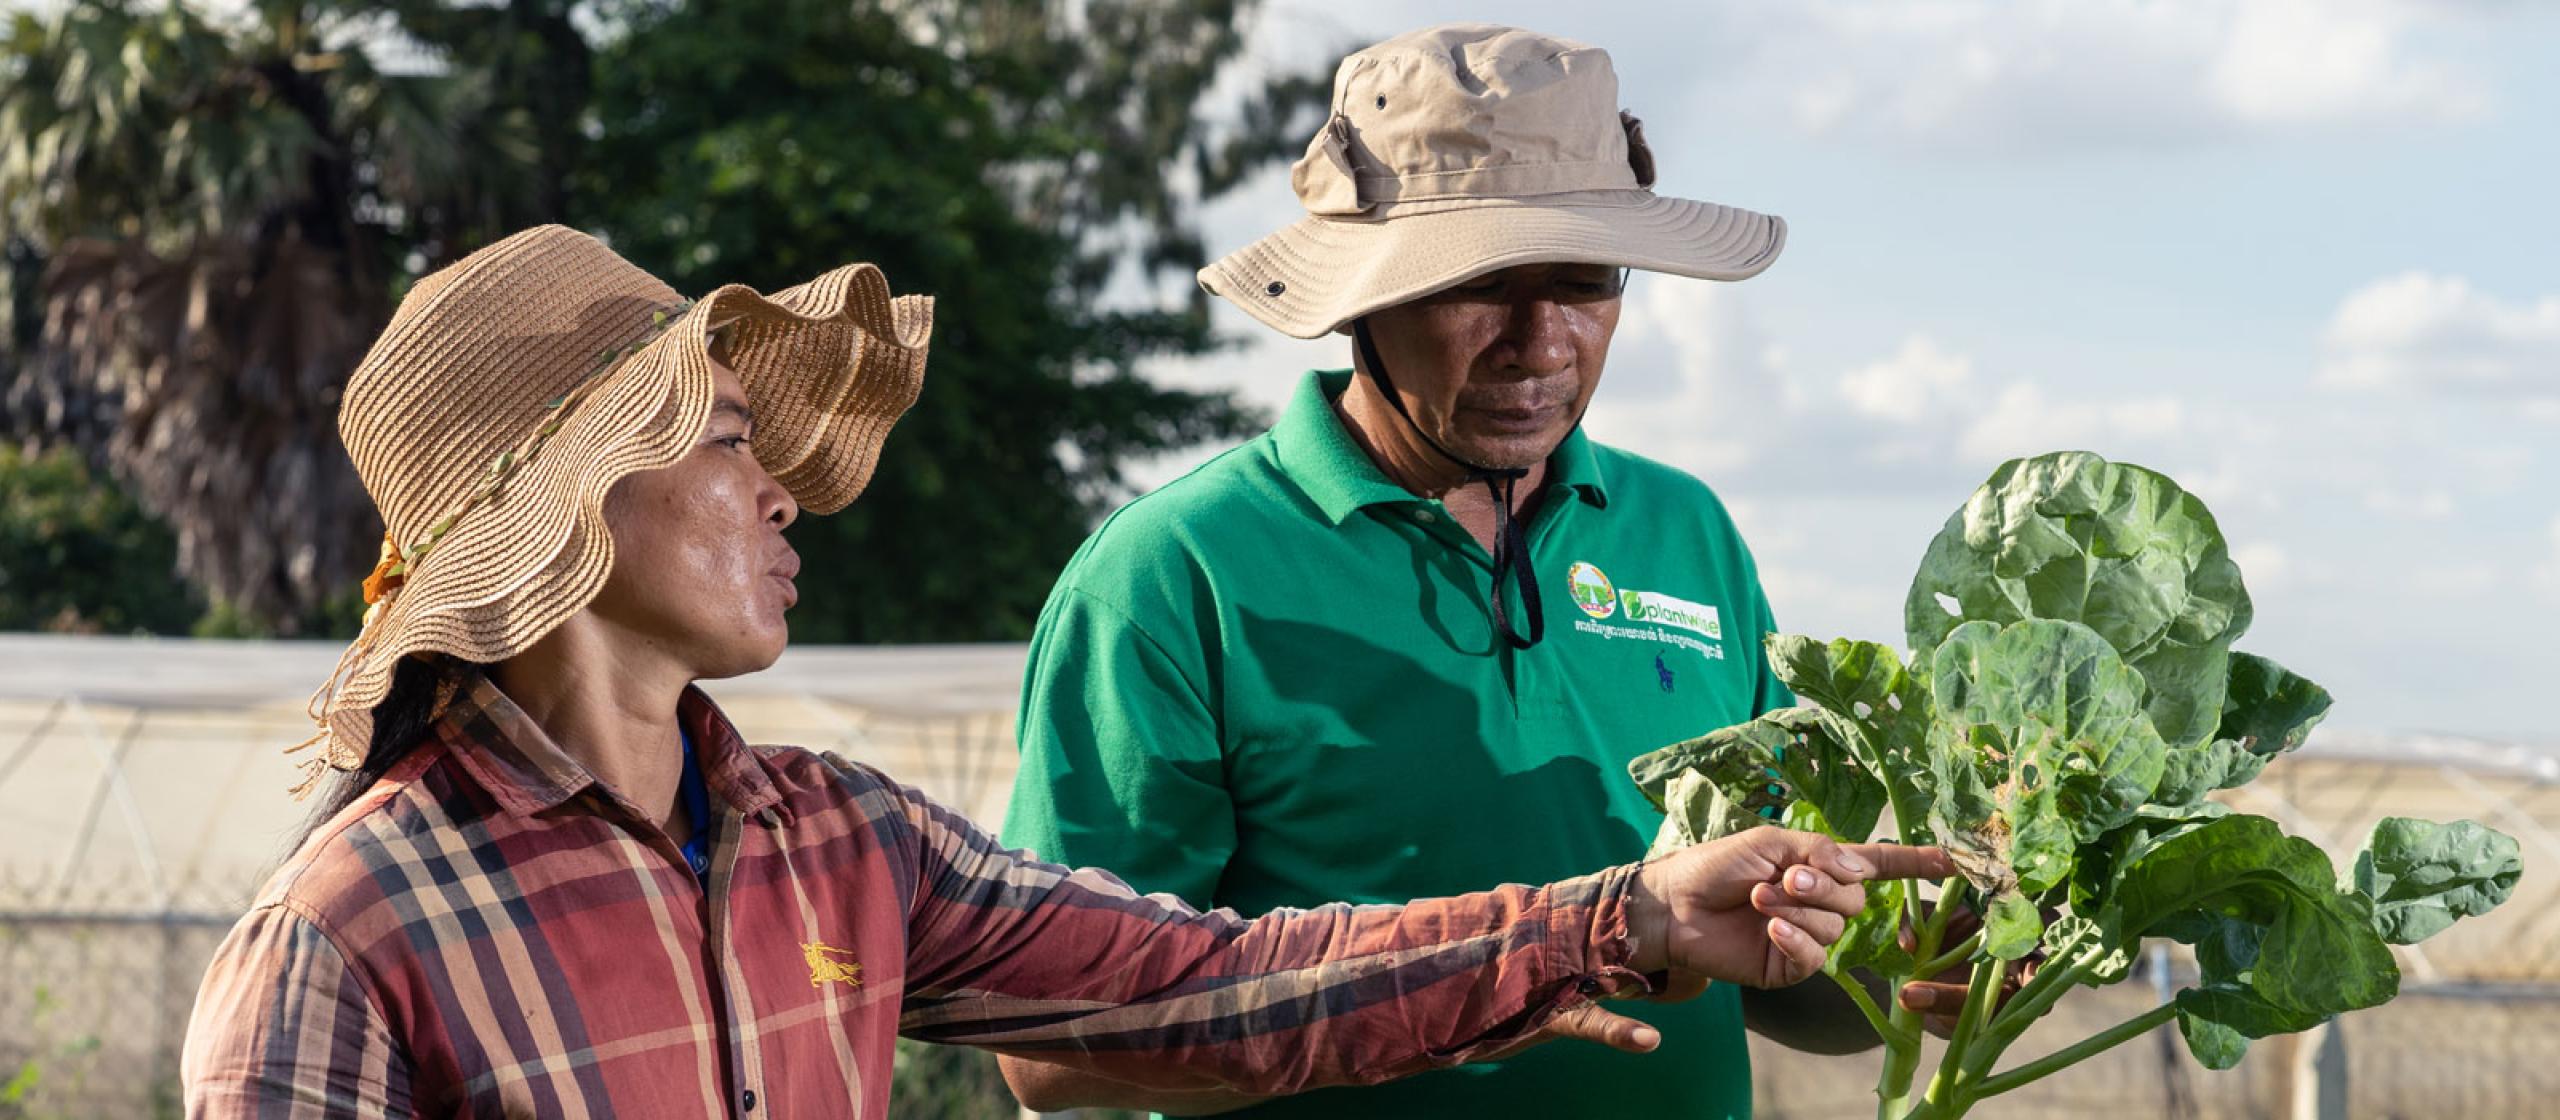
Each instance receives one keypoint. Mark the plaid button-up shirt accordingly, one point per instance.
(490, 931)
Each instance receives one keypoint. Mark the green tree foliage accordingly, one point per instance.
(210, 216)
(224, 206)
(1011, 159)
(76, 556)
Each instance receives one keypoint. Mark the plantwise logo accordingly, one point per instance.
(1591, 590)
(1670, 610)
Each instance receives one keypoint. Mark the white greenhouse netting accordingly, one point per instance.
(143, 797)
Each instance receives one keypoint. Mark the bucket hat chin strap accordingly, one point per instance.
(1510, 544)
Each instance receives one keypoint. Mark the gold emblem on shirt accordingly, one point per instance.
(826, 962)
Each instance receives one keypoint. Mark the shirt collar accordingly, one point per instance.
(512, 757)
(1317, 454)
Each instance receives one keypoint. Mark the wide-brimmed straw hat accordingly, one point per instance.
(512, 389)
(1461, 149)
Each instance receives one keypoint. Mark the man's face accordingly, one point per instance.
(700, 569)
(1499, 368)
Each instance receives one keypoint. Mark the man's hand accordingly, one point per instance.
(1941, 998)
(1759, 908)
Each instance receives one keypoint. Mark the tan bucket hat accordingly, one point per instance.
(1457, 150)
(513, 388)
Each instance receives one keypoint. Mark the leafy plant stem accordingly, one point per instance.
(1902, 1047)
(1930, 932)
(1867, 1006)
(1978, 998)
(2075, 1053)
(1949, 959)
(2031, 1002)
(1910, 809)
(1901, 1062)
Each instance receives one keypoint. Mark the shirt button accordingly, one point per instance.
(1425, 516)
(747, 1100)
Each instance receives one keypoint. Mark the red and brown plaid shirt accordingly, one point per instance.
(490, 931)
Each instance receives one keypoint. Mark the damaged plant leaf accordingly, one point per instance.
(2120, 549)
(2071, 699)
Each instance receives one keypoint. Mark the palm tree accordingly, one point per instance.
(223, 211)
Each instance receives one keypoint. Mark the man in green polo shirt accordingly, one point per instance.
(1406, 642)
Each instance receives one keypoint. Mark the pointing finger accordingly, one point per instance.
(1893, 861)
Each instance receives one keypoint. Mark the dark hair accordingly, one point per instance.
(420, 685)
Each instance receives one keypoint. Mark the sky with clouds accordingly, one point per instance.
(2299, 254)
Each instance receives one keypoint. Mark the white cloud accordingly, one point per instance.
(1908, 386)
(2264, 564)
(2426, 505)
(1691, 377)
(1811, 599)
(2287, 62)
(1985, 74)
(2423, 329)
(2023, 420)
(1694, 381)
(2462, 579)
(2546, 575)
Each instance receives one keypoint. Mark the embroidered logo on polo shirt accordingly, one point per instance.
(1650, 615)
(1666, 610)
(1591, 590)
(826, 963)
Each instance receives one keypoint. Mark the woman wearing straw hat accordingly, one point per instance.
(552, 880)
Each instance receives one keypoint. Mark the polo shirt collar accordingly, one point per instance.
(1317, 453)
(519, 764)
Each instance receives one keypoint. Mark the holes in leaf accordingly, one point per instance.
(1862, 709)
(1948, 604)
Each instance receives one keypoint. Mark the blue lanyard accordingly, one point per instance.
(697, 805)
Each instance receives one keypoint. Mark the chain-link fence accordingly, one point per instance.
(142, 802)
(139, 811)
(2440, 1051)
(94, 1009)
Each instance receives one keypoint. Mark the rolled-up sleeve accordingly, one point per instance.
(1074, 967)
(284, 1029)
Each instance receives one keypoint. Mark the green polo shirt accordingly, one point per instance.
(1275, 682)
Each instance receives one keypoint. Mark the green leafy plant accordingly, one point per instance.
(2070, 700)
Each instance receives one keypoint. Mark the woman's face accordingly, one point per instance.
(701, 574)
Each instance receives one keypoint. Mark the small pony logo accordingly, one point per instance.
(1662, 672)
(826, 962)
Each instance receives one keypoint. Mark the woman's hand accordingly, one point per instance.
(1758, 908)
